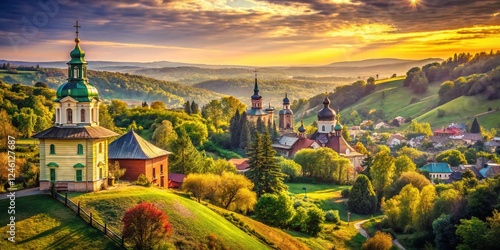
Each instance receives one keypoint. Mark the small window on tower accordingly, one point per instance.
(100, 147)
(323, 128)
(82, 115)
(69, 114)
(75, 72)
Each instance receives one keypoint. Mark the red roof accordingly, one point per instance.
(447, 131)
(179, 178)
(240, 164)
(300, 144)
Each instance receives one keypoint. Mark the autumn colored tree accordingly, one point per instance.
(382, 171)
(380, 241)
(144, 226)
(403, 164)
(452, 157)
(158, 105)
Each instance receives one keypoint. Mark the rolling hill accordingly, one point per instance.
(192, 222)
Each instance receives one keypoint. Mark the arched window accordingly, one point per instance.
(75, 72)
(80, 149)
(92, 113)
(69, 115)
(332, 127)
(58, 116)
(323, 128)
(52, 149)
(82, 115)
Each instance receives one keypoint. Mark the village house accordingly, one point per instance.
(139, 156)
(395, 140)
(438, 170)
(241, 164)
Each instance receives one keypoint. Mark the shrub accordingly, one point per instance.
(142, 180)
(363, 199)
(332, 216)
(144, 226)
(381, 241)
(312, 225)
(345, 193)
(274, 209)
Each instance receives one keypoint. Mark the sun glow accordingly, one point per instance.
(413, 3)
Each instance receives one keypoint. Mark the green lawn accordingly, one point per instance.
(44, 223)
(464, 109)
(192, 222)
(327, 196)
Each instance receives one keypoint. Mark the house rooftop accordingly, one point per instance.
(437, 167)
(132, 146)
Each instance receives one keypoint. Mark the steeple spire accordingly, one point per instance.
(256, 95)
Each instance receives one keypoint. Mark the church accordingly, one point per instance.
(328, 134)
(256, 111)
(74, 152)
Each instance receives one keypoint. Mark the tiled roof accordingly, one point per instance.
(132, 146)
(80, 132)
(437, 167)
(240, 164)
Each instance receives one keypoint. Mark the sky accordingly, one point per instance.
(247, 32)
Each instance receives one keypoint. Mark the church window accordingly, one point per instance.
(52, 174)
(92, 113)
(323, 128)
(69, 115)
(82, 115)
(75, 72)
(100, 147)
(80, 149)
(58, 116)
(332, 127)
(52, 149)
(79, 175)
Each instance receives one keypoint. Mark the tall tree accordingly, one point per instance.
(475, 128)
(403, 164)
(195, 109)
(362, 198)
(264, 170)
(382, 172)
(164, 135)
(185, 158)
(187, 108)
(245, 131)
(235, 130)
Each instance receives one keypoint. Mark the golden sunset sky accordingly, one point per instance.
(248, 32)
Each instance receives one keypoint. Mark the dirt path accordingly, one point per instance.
(21, 193)
(363, 232)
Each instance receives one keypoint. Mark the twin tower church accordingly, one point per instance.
(328, 134)
(76, 153)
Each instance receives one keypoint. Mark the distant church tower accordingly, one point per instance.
(286, 117)
(256, 111)
(74, 152)
(326, 118)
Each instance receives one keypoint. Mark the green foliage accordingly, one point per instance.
(415, 179)
(264, 170)
(420, 128)
(290, 168)
(324, 164)
(332, 215)
(362, 197)
(444, 232)
(382, 172)
(164, 135)
(418, 157)
(226, 154)
(158, 105)
(197, 131)
(312, 224)
(142, 180)
(274, 209)
(381, 241)
(452, 157)
(403, 164)
(185, 158)
(472, 233)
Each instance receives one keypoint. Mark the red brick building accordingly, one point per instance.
(139, 156)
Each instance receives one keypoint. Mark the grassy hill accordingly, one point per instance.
(395, 100)
(44, 223)
(192, 222)
(112, 85)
